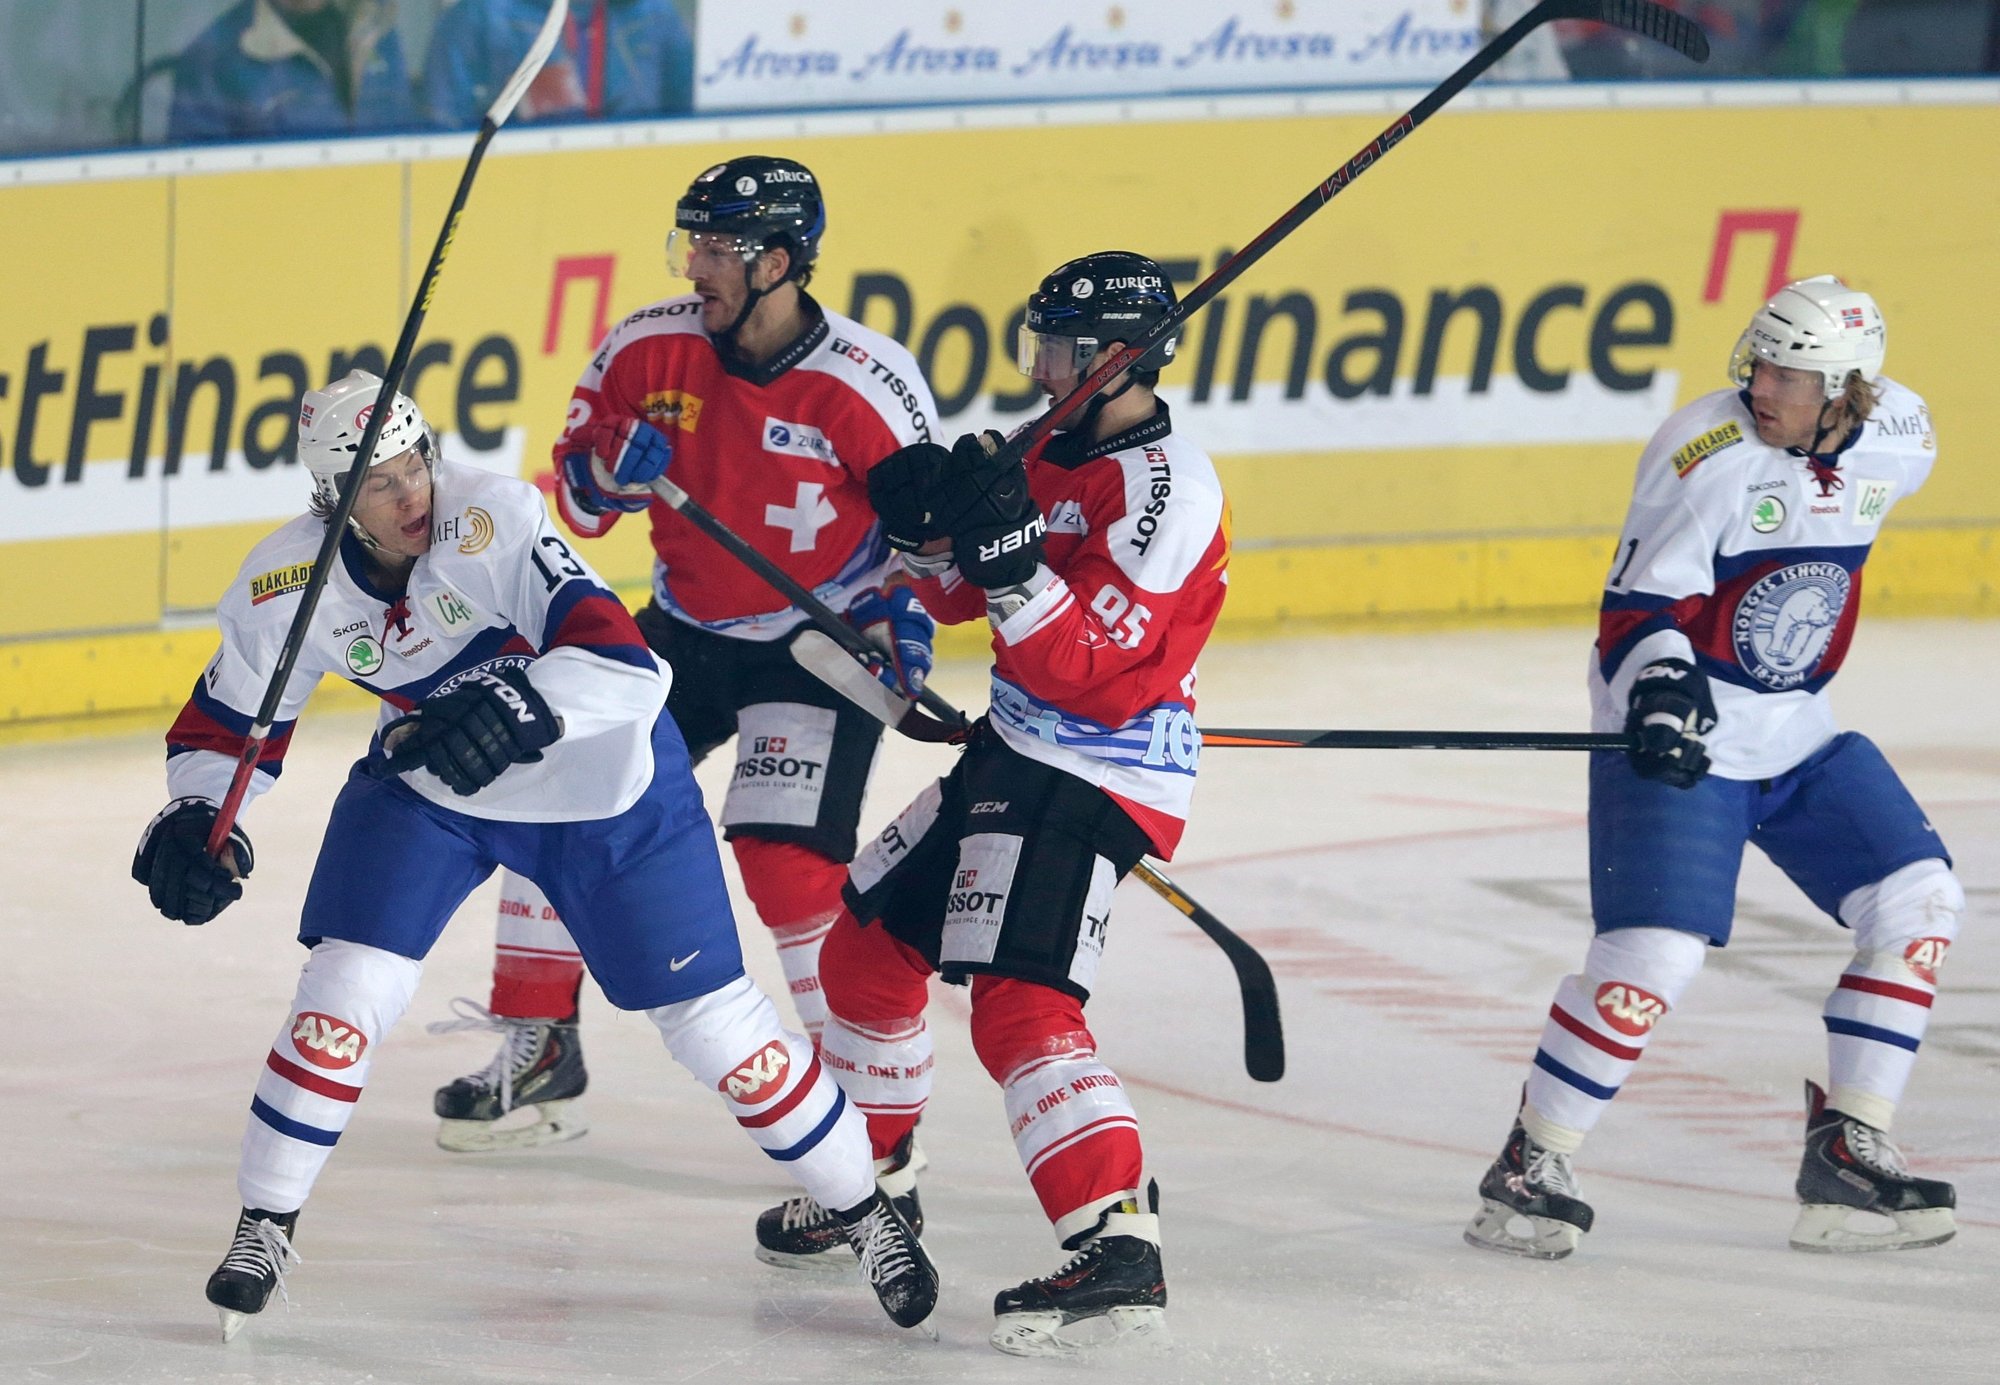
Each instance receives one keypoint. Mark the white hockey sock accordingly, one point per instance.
(775, 1086)
(1877, 1014)
(885, 1066)
(1601, 1022)
(349, 997)
(798, 953)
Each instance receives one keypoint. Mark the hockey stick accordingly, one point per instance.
(836, 657)
(1260, 739)
(1640, 16)
(1263, 1032)
(833, 666)
(371, 433)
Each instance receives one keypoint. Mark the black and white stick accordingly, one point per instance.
(295, 638)
(1640, 16)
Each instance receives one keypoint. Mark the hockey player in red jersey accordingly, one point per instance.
(769, 410)
(1729, 608)
(1099, 564)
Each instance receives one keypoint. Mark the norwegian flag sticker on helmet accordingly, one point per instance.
(1853, 317)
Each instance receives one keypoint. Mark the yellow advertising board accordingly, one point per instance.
(1427, 401)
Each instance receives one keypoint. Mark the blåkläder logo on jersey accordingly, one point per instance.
(1782, 624)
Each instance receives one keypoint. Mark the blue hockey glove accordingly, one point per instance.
(895, 621)
(1671, 712)
(609, 464)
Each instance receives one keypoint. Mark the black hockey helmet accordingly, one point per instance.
(1113, 295)
(763, 200)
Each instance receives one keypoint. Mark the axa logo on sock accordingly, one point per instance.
(1628, 1009)
(326, 1042)
(1925, 956)
(762, 1072)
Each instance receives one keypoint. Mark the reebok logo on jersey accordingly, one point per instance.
(1628, 1009)
(798, 440)
(326, 1042)
(762, 1072)
(1707, 445)
(1925, 956)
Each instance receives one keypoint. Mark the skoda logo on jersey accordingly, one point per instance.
(1783, 623)
(364, 655)
(1767, 514)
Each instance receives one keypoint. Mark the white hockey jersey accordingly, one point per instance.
(1746, 561)
(499, 587)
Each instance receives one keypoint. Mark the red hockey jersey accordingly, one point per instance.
(1095, 675)
(779, 453)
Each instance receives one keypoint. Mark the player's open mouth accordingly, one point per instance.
(418, 527)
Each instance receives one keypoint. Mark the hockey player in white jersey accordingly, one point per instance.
(523, 726)
(1731, 602)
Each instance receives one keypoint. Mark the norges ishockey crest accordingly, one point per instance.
(1783, 623)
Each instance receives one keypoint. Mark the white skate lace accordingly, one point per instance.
(1874, 1149)
(517, 1054)
(884, 1252)
(1548, 1169)
(260, 1248)
(803, 1211)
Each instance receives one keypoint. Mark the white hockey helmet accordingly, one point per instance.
(332, 420)
(1814, 324)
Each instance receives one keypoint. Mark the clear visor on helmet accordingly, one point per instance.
(692, 253)
(1046, 356)
(1784, 384)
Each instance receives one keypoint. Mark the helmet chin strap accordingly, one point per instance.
(1088, 418)
(752, 296)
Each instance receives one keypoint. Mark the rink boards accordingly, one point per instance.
(1426, 403)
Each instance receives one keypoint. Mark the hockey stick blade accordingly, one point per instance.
(844, 673)
(1263, 1029)
(1654, 21)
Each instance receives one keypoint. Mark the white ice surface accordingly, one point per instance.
(1418, 908)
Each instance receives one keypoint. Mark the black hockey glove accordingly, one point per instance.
(1671, 711)
(173, 863)
(468, 736)
(904, 488)
(995, 527)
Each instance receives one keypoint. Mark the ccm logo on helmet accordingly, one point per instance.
(326, 1042)
(763, 1070)
(1628, 1009)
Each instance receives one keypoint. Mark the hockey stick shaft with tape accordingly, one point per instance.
(1258, 738)
(1643, 17)
(392, 379)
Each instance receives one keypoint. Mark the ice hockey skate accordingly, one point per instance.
(1528, 1203)
(1113, 1291)
(892, 1261)
(539, 1066)
(801, 1234)
(1850, 1168)
(259, 1255)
